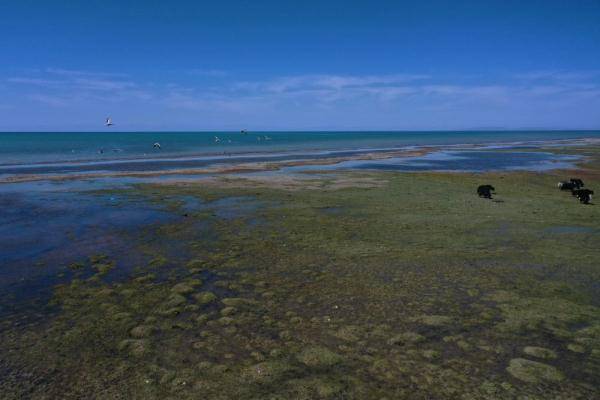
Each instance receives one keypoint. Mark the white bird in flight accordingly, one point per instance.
(108, 122)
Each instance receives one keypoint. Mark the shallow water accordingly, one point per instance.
(38, 147)
(565, 230)
(459, 161)
(43, 232)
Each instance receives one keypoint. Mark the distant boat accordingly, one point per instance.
(243, 132)
(108, 122)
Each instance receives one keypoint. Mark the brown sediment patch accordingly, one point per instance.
(262, 166)
(288, 182)
(258, 167)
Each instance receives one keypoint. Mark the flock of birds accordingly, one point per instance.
(108, 123)
(575, 185)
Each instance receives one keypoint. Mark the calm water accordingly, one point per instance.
(34, 148)
(459, 161)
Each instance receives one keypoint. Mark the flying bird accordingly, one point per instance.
(108, 122)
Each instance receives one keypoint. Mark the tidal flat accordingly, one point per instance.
(339, 285)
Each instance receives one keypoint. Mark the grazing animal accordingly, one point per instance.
(485, 191)
(567, 186)
(584, 195)
(577, 182)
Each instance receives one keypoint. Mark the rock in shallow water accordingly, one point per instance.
(142, 331)
(228, 311)
(205, 297)
(576, 348)
(182, 288)
(434, 320)
(135, 347)
(238, 302)
(350, 333)
(267, 371)
(319, 357)
(174, 300)
(406, 338)
(539, 352)
(533, 371)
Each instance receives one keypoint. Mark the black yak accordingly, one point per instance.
(577, 182)
(485, 191)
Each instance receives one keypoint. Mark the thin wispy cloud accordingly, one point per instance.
(304, 83)
(79, 73)
(365, 99)
(35, 81)
(212, 73)
(53, 101)
(559, 75)
(61, 88)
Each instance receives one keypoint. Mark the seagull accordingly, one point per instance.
(156, 145)
(108, 122)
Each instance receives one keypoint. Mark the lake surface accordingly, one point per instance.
(78, 152)
(40, 147)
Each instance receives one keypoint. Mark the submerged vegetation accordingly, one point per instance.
(409, 288)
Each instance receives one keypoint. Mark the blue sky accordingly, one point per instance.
(296, 65)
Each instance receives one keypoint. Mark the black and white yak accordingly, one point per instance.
(584, 195)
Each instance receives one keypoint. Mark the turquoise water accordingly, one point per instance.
(36, 147)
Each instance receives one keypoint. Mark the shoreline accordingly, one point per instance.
(218, 165)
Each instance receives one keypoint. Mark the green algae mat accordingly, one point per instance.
(340, 286)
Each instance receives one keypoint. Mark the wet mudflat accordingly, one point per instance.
(412, 287)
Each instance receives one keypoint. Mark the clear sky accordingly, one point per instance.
(295, 65)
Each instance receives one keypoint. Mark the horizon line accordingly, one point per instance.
(315, 130)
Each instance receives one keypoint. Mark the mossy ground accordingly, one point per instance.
(413, 289)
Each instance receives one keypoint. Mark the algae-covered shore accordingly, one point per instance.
(341, 285)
